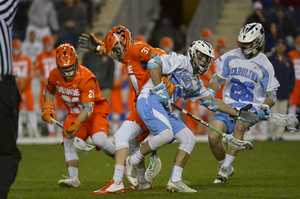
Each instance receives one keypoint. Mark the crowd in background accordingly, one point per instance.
(41, 25)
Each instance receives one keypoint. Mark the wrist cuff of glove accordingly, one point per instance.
(48, 105)
(211, 92)
(159, 87)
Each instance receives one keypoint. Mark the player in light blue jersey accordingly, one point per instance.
(153, 106)
(249, 78)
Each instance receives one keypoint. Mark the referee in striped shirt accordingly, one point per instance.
(10, 155)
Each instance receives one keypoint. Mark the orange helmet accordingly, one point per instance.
(117, 42)
(297, 39)
(221, 42)
(47, 39)
(206, 32)
(16, 43)
(166, 41)
(66, 60)
(140, 38)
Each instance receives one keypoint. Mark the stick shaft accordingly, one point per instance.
(197, 119)
(57, 123)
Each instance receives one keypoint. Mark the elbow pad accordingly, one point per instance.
(272, 96)
(215, 79)
(88, 107)
(154, 63)
(211, 104)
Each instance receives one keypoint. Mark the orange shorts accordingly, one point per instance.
(295, 95)
(97, 123)
(134, 116)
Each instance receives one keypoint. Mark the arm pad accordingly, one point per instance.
(215, 79)
(272, 95)
(88, 107)
(155, 62)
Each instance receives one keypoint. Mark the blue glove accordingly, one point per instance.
(211, 92)
(162, 95)
(264, 112)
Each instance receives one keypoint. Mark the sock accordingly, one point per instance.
(141, 173)
(136, 158)
(176, 173)
(118, 174)
(73, 172)
(221, 162)
(228, 160)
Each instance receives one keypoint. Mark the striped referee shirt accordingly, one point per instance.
(8, 9)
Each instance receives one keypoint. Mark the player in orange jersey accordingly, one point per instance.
(45, 62)
(22, 67)
(120, 46)
(87, 109)
(295, 95)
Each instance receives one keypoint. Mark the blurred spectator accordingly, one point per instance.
(22, 67)
(103, 68)
(284, 72)
(32, 47)
(45, 62)
(271, 38)
(21, 20)
(295, 95)
(286, 26)
(167, 44)
(221, 46)
(42, 19)
(165, 29)
(73, 20)
(258, 16)
(140, 38)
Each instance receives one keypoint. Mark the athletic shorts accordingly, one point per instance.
(155, 116)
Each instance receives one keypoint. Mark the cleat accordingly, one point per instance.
(223, 174)
(145, 186)
(179, 186)
(111, 187)
(131, 172)
(69, 182)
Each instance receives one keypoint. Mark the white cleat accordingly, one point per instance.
(111, 187)
(131, 172)
(223, 174)
(179, 186)
(69, 182)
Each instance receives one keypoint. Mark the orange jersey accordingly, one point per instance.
(80, 90)
(45, 62)
(139, 53)
(295, 95)
(116, 95)
(295, 58)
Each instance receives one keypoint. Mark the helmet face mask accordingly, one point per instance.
(66, 60)
(201, 55)
(117, 42)
(251, 39)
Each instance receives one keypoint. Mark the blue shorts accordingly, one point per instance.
(224, 117)
(155, 116)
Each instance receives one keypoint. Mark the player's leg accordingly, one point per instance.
(31, 113)
(71, 157)
(128, 131)
(187, 142)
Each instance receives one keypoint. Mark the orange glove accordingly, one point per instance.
(170, 86)
(47, 112)
(72, 130)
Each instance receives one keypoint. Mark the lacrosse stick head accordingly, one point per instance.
(236, 144)
(153, 168)
(81, 146)
(289, 120)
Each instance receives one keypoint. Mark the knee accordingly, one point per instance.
(121, 141)
(214, 138)
(167, 136)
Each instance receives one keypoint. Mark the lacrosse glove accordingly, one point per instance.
(47, 112)
(170, 86)
(91, 43)
(245, 115)
(72, 130)
(162, 95)
(264, 112)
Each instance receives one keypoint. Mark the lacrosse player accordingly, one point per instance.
(249, 78)
(182, 75)
(87, 109)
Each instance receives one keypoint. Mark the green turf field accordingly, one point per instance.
(270, 170)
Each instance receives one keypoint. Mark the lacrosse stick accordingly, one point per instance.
(232, 142)
(290, 121)
(153, 168)
(79, 145)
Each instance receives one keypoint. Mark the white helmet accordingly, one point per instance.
(197, 51)
(251, 39)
